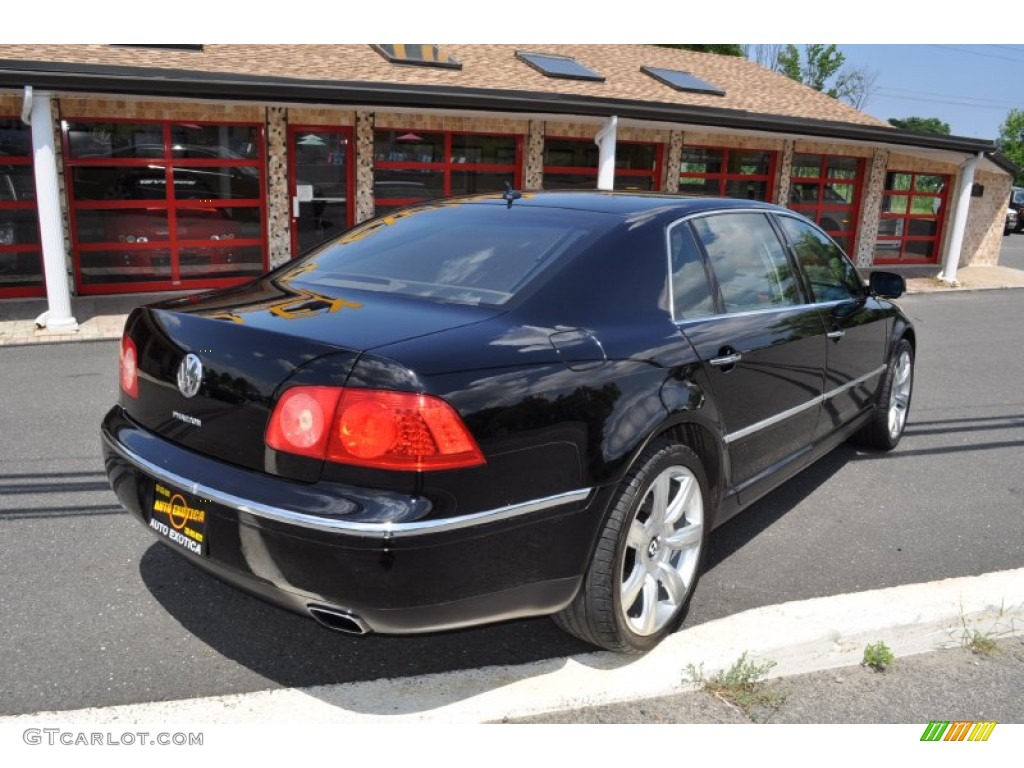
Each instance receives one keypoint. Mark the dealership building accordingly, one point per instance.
(131, 168)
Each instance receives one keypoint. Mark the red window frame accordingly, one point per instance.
(24, 291)
(724, 176)
(816, 210)
(169, 203)
(350, 183)
(654, 174)
(446, 165)
(903, 239)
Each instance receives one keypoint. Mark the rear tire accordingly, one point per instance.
(889, 418)
(648, 557)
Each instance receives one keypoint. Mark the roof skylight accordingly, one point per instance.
(417, 55)
(682, 81)
(563, 67)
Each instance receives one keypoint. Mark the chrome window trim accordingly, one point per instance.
(384, 530)
(780, 417)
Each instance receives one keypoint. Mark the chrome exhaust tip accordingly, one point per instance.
(338, 619)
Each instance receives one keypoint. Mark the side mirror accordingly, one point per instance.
(888, 285)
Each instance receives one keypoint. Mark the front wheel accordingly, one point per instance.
(648, 558)
(885, 428)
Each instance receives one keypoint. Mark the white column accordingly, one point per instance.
(963, 204)
(51, 227)
(605, 141)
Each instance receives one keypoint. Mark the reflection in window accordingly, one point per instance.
(748, 260)
(412, 166)
(21, 264)
(826, 189)
(164, 204)
(831, 275)
(725, 172)
(691, 292)
(572, 164)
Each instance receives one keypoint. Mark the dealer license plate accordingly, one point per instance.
(179, 517)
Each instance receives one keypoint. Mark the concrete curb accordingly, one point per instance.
(804, 636)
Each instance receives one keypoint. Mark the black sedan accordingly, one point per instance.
(495, 407)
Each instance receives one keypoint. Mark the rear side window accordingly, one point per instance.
(463, 253)
(748, 260)
(691, 292)
(831, 275)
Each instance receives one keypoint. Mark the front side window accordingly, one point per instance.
(748, 260)
(724, 172)
(830, 274)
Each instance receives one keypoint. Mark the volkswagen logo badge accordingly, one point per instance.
(190, 375)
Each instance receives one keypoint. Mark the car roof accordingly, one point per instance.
(622, 203)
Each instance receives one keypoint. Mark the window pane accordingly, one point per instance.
(689, 185)
(631, 183)
(17, 183)
(635, 157)
(842, 167)
(408, 147)
(806, 166)
(489, 150)
(217, 183)
(749, 163)
(920, 249)
(143, 225)
(922, 227)
(702, 160)
(220, 142)
(125, 266)
(803, 192)
(116, 140)
(20, 270)
(894, 204)
(479, 182)
(410, 185)
(747, 190)
(570, 153)
(220, 261)
(690, 289)
(751, 266)
(18, 227)
(134, 183)
(217, 224)
(927, 206)
(829, 272)
(15, 138)
(897, 182)
(924, 183)
(570, 181)
(833, 221)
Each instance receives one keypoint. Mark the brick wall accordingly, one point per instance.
(983, 236)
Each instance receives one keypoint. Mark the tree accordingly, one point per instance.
(821, 68)
(921, 124)
(727, 49)
(1011, 140)
(767, 55)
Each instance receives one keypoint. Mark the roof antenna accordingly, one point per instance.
(510, 194)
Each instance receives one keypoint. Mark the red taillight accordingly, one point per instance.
(129, 368)
(301, 421)
(372, 428)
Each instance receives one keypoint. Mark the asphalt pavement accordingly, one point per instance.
(100, 622)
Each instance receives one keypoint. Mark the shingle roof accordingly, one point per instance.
(748, 87)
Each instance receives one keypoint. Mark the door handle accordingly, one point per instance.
(726, 361)
(295, 206)
(836, 335)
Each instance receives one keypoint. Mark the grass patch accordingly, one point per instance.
(741, 686)
(878, 656)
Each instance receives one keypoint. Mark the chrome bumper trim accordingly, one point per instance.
(330, 525)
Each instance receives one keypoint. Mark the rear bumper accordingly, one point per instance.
(376, 555)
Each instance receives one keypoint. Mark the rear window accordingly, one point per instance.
(464, 253)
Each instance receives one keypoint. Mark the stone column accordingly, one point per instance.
(279, 208)
(785, 173)
(871, 208)
(533, 160)
(674, 161)
(364, 166)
